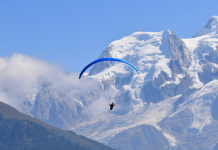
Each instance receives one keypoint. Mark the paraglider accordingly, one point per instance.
(111, 106)
(106, 59)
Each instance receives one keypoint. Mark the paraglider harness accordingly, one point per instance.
(111, 106)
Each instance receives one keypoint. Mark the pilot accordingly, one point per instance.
(111, 106)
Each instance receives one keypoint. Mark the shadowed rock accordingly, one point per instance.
(140, 138)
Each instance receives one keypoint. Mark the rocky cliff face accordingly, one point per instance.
(140, 137)
(210, 28)
(97, 68)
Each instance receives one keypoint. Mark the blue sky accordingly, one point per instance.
(73, 33)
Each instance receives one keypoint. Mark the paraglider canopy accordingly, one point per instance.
(106, 59)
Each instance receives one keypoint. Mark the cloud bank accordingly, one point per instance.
(22, 75)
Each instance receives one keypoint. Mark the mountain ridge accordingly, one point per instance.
(210, 27)
(32, 132)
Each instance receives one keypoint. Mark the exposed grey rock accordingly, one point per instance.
(153, 93)
(214, 109)
(54, 110)
(58, 108)
(178, 124)
(209, 72)
(180, 60)
(180, 57)
(208, 25)
(140, 138)
(213, 57)
(190, 138)
(98, 67)
(185, 95)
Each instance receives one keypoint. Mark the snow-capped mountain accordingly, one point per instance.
(210, 28)
(171, 104)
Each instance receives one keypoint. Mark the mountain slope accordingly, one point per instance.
(140, 137)
(19, 131)
(210, 28)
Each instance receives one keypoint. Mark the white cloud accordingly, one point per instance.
(22, 75)
(101, 105)
(97, 107)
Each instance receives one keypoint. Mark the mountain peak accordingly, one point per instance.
(211, 26)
